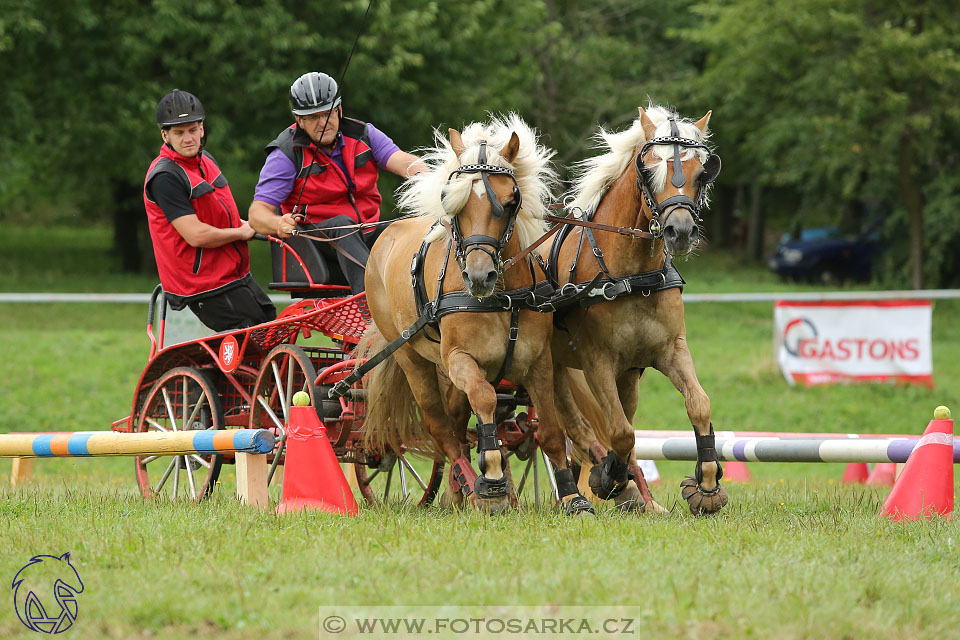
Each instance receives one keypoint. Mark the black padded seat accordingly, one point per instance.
(288, 275)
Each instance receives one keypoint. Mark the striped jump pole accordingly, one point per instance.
(785, 449)
(152, 443)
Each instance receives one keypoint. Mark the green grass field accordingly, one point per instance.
(794, 555)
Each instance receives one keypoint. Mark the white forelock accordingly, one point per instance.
(595, 175)
(430, 194)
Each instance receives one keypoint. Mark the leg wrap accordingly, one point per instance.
(608, 479)
(706, 452)
(486, 441)
(487, 488)
(462, 476)
(567, 486)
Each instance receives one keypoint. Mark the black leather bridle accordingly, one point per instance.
(711, 169)
(491, 246)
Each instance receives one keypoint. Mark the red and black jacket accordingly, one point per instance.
(326, 190)
(187, 271)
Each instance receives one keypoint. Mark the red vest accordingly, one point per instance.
(327, 191)
(184, 270)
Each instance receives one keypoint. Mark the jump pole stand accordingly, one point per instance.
(252, 480)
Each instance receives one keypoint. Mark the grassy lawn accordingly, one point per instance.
(794, 555)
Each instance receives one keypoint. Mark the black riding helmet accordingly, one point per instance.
(179, 107)
(313, 92)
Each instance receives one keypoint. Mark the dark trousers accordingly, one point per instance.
(236, 308)
(356, 244)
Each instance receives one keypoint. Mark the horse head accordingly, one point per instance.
(482, 226)
(675, 169)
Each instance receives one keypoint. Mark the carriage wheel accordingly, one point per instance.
(401, 479)
(183, 399)
(286, 370)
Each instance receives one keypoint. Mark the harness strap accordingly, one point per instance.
(341, 388)
(511, 344)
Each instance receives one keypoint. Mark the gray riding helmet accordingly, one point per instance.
(179, 107)
(313, 92)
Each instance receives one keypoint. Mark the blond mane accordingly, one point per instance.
(430, 194)
(595, 175)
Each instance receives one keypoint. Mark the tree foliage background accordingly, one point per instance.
(825, 111)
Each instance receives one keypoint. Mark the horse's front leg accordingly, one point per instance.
(539, 384)
(702, 491)
(491, 488)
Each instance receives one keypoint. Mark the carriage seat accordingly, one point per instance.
(288, 275)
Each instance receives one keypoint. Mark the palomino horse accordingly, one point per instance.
(483, 184)
(653, 181)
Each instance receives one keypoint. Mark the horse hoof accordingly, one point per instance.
(630, 499)
(451, 499)
(493, 506)
(578, 507)
(602, 485)
(702, 502)
(655, 507)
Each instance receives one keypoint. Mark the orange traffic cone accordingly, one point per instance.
(883, 473)
(925, 487)
(855, 473)
(736, 471)
(312, 477)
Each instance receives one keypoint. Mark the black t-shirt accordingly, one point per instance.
(168, 191)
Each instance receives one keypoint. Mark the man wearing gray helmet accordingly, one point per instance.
(323, 170)
(199, 239)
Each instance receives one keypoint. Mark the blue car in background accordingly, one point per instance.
(824, 255)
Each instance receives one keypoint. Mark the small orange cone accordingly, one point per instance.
(736, 471)
(883, 473)
(312, 477)
(925, 487)
(855, 473)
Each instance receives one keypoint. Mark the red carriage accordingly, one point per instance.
(246, 378)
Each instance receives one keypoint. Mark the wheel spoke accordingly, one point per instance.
(196, 408)
(166, 474)
(183, 402)
(156, 425)
(371, 477)
(280, 393)
(536, 481)
(266, 406)
(189, 471)
(170, 413)
(523, 479)
(176, 477)
(414, 472)
(386, 490)
(276, 459)
(291, 363)
(550, 478)
(148, 460)
(200, 460)
(403, 482)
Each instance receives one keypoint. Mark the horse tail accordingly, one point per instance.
(392, 418)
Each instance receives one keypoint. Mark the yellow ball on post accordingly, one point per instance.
(301, 399)
(941, 413)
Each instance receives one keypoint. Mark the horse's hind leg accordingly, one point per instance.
(491, 489)
(422, 376)
(629, 392)
(702, 491)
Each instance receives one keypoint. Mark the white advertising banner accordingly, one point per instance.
(859, 340)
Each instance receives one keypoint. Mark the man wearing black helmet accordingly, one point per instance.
(323, 170)
(199, 240)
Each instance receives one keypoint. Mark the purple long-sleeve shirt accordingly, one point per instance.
(278, 173)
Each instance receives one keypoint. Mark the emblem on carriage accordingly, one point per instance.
(45, 594)
(228, 354)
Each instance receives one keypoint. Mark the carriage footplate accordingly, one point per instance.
(567, 486)
(609, 478)
(462, 476)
